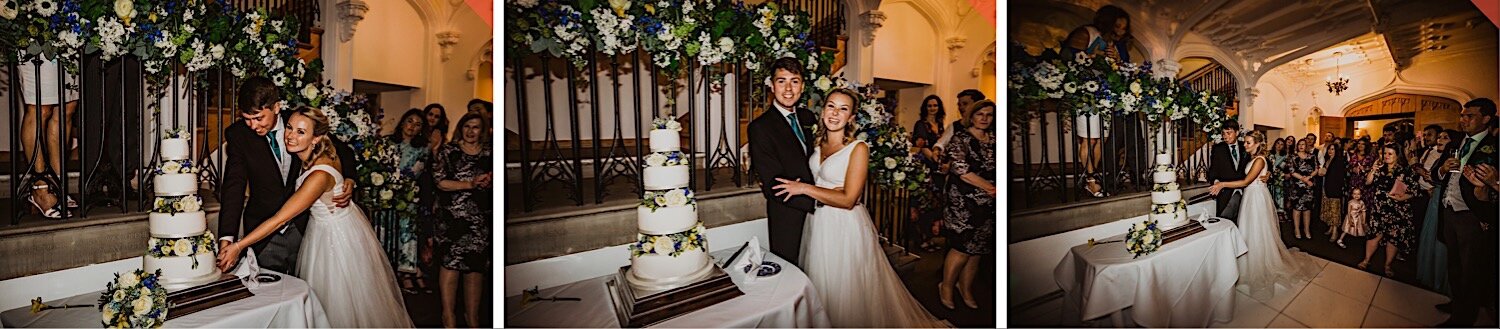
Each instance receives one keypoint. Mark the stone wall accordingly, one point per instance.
(76, 242)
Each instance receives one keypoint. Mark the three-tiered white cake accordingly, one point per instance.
(1168, 208)
(180, 244)
(670, 248)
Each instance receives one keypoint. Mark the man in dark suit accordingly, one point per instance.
(258, 160)
(781, 141)
(1226, 164)
(1468, 215)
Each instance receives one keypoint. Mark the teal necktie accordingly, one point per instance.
(797, 129)
(275, 149)
(1464, 150)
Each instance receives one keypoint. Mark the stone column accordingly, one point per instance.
(860, 67)
(340, 19)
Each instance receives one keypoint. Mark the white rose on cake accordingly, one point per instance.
(656, 159)
(663, 245)
(182, 248)
(676, 198)
(171, 167)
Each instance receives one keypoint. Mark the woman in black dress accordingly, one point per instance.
(1300, 195)
(970, 216)
(1334, 171)
(1391, 187)
(929, 210)
(465, 174)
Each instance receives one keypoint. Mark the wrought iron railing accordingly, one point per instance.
(116, 130)
(1044, 155)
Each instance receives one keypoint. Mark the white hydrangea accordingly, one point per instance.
(44, 7)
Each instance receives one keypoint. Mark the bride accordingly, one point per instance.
(1268, 262)
(840, 254)
(341, 260)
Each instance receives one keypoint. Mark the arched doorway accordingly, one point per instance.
(1393, 112)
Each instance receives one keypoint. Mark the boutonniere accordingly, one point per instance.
(1487, 149)
(813, 128)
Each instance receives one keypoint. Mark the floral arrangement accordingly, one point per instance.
(668, 198)
(383, 186)
(1101, 86)
(183, 166)
(134, 300)
(177, 204)
(1169, 207)
(667, 123)
(1164, 187)
(664, 159)
(178, 133)
(185, 247)
(1143, 238)
(892, 164)
(671, 244)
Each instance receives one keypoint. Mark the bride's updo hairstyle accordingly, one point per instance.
(322, 147)
(821, 134)
(1260, 138)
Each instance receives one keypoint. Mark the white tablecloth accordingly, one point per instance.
(288, 303)
(1187, 283)
(786, 300)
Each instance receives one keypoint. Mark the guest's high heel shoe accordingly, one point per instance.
(945, 295)
(968, 300)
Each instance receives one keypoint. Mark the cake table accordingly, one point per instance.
(288, 303)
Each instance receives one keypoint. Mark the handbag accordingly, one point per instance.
(1232, 208)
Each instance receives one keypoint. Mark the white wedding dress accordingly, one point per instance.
(842, 257)
(1268, 261)
(345, 266)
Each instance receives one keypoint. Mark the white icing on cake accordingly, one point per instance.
(183, 224)
(1163, 177)
(665, 140)
(1169, 196)
(657, 267)
(174, 149)
(666, 177)
(666, 220)
(179, 269)
(176, 184)
(1170, 220)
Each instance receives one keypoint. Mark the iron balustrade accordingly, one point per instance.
(113, 125)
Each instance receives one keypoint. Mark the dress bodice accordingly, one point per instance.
(324, 207)
(830, 173)
(1264, 170)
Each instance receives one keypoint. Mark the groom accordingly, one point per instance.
(258, 160)
(1227, 163)
(780, 145)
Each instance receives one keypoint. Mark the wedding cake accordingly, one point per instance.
(670, 248)
(1168, 208)
(180, 244)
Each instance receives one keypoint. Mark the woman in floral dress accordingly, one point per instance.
(1390, 187)
(464, 174)
(397, 228)
(925, 132)
(1278, 158)
(970, 218)
(1300, 197)
(1359, 164)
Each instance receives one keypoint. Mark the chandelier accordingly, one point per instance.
(1339, 85)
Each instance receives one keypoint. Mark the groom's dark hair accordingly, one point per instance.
(790, 64)
(257, 93)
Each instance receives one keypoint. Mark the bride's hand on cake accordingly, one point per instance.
(790, 188)
(228, 256)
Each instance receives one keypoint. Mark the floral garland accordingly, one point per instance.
(668, 198)
(177, 133)
(183, 166)
(184, 247)
(1101, 86)
(134, 300)
(1143, 238)
(671, 244)
(1168, 208)
(666, 159)
(1167, 187)
(177, 204)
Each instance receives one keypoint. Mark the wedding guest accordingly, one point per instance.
(1279, 155)
(1432, 255)
(1359, 163)
(1392, 186)
(1333, 173)
(398, 228)
(1300, 196)
(47, 111)
(1107, 37)
(1429, 136)
(482, 107)
(465, 176)
(1355, 223)
(437, 119)
(970, 216)
(929, 211)
(1469, 213)
(965, 99)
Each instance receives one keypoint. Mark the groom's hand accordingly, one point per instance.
(342, 199)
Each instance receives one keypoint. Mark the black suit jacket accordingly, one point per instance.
(1221, 166)
(1484, 153)
(773, 154)
(249, 164)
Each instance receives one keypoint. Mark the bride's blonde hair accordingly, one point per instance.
(1260, 138)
